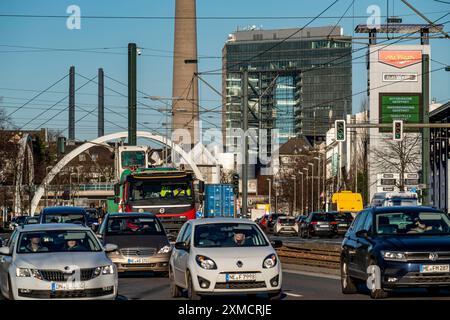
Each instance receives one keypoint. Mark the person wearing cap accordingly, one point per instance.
(34, 244)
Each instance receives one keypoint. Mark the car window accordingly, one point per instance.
(12, 240)
(58, 241)
(133, 226)
(412, 223)
(368, 222)
(181, 233)
(187, 234)
(64, 218)
(323, 217)
(227, 235)
(358, 222)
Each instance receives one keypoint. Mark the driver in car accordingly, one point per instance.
(34, 244)
(418, 226)
(239, 238)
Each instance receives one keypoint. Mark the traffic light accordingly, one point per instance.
(398, 130)
(235, 183)
(340, 130)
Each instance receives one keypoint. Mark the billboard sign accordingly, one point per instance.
(400, 58)
(405, 77)
(400, 106)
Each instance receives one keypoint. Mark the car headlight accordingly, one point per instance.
(26, 273)
(270, 261)
(104, 270)
(164, 249)
(205, 262)
(393, 255)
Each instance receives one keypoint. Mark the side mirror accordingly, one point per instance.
(362, 234)
(182, 246)
(5, 251)
(109, 247)
(276, 243)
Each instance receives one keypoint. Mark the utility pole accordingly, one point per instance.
(295, 195)
(303, 190)
(270, 195)
(72, 103)
(101, 103)
(132, 121)
(425, 130)
(245, 142)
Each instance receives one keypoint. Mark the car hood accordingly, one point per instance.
(417, 243)
(59, 260)
(138, 241)
(226, 258)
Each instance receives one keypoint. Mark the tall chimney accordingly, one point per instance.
(72, 103)
(185, 83)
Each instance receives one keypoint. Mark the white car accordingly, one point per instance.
(220, 255)
(285, 225)
(56, 261)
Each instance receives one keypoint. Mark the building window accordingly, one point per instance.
(82, 157)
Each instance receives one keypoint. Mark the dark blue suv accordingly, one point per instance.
(395, 247)
(64, 214)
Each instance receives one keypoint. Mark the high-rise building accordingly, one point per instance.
(301, 81)
(185, 82)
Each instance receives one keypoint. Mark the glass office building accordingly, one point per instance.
(301, 81)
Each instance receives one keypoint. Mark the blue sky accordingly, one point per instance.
(24, 70)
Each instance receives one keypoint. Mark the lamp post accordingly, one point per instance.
(295, 195)
(270, 195)
(46, 185)
(318, 183)
(312, 185)
(70, 187)
(307, 200)
(303, 208)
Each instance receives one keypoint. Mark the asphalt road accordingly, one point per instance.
(297, 239)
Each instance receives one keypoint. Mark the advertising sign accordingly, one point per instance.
(394, 77)
(400, 58)
(400, 106)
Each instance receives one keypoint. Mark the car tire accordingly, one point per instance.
(348, 284)
(175, 291)
(192, 294)
(275, 295)
(10, 292)
(377, 293)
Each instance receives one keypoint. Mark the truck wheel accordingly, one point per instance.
(348, 284)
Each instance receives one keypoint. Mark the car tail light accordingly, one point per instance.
(313, 222)
(333, 222)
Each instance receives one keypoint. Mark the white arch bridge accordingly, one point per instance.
(102, 141)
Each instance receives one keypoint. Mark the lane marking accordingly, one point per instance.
(293, 295)
(313, 274)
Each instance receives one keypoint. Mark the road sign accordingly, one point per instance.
(339, 126)
(397, 130)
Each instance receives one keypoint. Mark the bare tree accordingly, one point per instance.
(5, 120)
(399, 156)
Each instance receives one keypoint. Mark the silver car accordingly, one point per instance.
(223, 256)
(56, 261)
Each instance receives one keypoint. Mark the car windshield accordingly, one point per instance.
(134, 225)
(64, 218)
(227, 235)
(20, 219)
(412, 223)
(154, 190)
(58, 241)
(327, 217)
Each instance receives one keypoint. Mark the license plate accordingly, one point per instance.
(434, 268)
(324, 226)
(240, 277)
(61, 286)
(343, 224)
(138, 260)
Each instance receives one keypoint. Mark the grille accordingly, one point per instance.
(424, 256)
(47, 294)
(59, 276)
(240, 285)
(419, 278)
(138, 252)
(144, 265)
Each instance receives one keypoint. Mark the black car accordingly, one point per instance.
(396, 247)
(318, 224)
(32, 220)
(64, 215)
(344, 220)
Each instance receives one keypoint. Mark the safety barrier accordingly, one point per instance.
(325, 255)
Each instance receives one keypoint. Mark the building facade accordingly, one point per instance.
(300, 82)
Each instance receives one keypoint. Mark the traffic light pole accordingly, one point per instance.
(425, 130)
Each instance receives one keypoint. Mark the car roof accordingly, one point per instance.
(377, 210)
(196, 222)
(52, 226)
(131, 214)
(64, 209)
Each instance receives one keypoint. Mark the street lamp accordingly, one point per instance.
(70, 187)
(46, 185)
(270, 195)
(303, 208)
(307, 200)
(312, 185)
(295, 195)
(318, 183)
